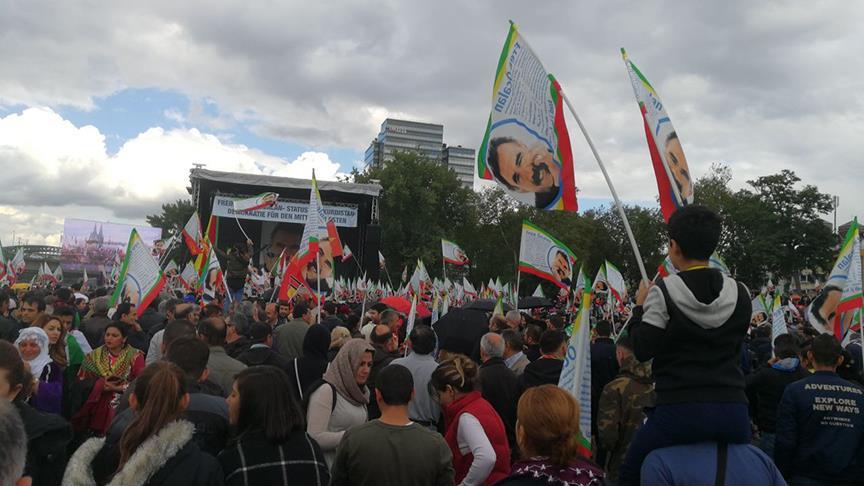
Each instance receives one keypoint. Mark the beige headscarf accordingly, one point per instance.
(342, 371)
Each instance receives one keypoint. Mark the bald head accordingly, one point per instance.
(491, 346)
(384, 337)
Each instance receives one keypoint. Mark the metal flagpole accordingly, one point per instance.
(318, 274)
(611, 189)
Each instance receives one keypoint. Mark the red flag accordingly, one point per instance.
(333, 236)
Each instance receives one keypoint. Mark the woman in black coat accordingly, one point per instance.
(272, 446)
(157, 447)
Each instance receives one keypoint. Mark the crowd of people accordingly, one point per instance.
(687, 388)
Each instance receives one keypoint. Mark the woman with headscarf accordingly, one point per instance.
(109, 368)
(47, 392)
(311, 367)
(339, 401)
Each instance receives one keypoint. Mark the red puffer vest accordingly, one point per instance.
(492, 425)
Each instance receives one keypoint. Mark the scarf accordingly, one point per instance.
(38, 363)
(542, 471)
(342, 370)
(99, 362)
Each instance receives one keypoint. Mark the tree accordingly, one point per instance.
(174, 216)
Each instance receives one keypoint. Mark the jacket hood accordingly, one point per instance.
(787, 365)
(257, 356)
(316, 343)
(707, 316)
(144, 463)
(640, 372)
(543, 370)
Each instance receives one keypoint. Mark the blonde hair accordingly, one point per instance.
(338, 336)
(549, 421)
(459, 372)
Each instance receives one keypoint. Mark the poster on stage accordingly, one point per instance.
(542, 255)
(94, 244)
(279, 237)
(526, 147)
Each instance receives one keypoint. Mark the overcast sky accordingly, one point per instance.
(104, 106)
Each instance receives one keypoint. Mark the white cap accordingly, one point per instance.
(79, 296)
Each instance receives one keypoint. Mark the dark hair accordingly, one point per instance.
(267, 404)
(512, 339)
(819, 301)
(380, 339)
(557, 321)
(395, 384)
(826, 350)
(492, 158)
(16, 373)
(604, 328)
(696, 230)
(57, 351)
(214, 330)
(388, 316)
(212, 310)
(260, 331)
(300, 310)
(184, 312)
(122, 309)
(329, 307)
(378, 307)
(120, 326)
(35, 300)
(422, 340)
(175, 330)
(785, 346)
(551, 341)
(159, 390)
(534, 332)
(171, 305)
(63, 311)
(459, 372)
(625, 340)
(190, 354)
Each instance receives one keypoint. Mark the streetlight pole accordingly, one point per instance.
(836, 203)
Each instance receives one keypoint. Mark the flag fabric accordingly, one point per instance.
(211, 277)
(315, 229)
(758, 306)
(541, 255)
(189, 277)
(616, 282)
(499, 306)
(4, 266)
(667, 157)
(405, 274)
(469, 288)
(207, 241)
(526, 146)
(580, 279)
(192, 234)
(16, 266)
(538, 292)
(841, 294)
(381, 262)
(452, 253)
(576, 373)
(171, 266)
(601, 276)
(58, 274)
(261, 201)
(778, 319)
(412, 314)
(85, 282)
(852, 299)
(346, 253)
(333, 238)
(140, 278)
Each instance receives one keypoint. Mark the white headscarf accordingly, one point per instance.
(37, 364)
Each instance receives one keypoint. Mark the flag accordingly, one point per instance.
(140, 278)
(346, 253)
(452, 253)
(4, 266)
(758, 306)
(333, 238)
(211, 276)
(832, 310)
(499, 306)
(616, 282)
(381, 261)
(192, 234)
(189, 277)
(405, 273)
(778, 320)
(115, 269)
(261, 201)
(58, 274)
(85, 282)
(526, 146)
(315, 229)
(541, 255)
(207, 241)
(580, 279)
(469, 288)
(576, 373)
(17, 266)
(538, 292)
(601, 276)
(670, 167)
(411, 316)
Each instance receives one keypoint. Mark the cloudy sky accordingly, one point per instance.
(104, 106)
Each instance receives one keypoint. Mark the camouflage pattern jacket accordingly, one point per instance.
(620, 410)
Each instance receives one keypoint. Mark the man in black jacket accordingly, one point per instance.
(498, 384)
(546, 370)
(692, 324)
(604, 369)
(385, 342)
(261, 351)
(820, 422)
(766, 386)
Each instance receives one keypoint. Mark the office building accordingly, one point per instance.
(426, 139)
(461, 161)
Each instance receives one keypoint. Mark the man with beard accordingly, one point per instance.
(525, 169)
(674, 155)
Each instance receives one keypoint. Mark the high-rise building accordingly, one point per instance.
(461, 161)
(426, 139)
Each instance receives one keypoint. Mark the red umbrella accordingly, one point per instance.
(403, 305)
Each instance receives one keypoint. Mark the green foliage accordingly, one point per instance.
(174, 216)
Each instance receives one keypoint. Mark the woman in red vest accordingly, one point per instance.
(475, 432)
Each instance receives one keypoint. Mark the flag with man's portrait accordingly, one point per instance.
(670, 166)
(526, 146)
(544, 256)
